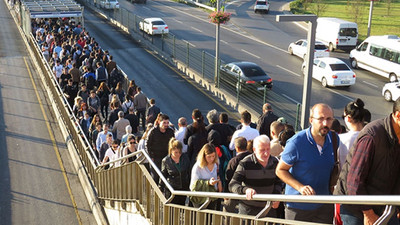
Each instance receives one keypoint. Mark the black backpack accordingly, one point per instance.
(115, 77)
(90, 82)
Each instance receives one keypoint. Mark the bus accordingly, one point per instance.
(380, 55)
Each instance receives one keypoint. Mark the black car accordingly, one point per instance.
(250, 75)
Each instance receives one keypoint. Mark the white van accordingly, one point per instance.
(337, 33)
(380, 55)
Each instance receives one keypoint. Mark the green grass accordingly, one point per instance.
(381, 22)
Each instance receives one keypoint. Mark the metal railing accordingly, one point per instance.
(132, 182)
(201, 62)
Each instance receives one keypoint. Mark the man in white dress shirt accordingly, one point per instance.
(179, 134)
(246, 131)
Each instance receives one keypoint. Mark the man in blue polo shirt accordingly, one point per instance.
(306, 166)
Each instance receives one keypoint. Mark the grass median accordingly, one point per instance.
(385, 17)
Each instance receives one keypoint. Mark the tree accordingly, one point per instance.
(356, 9)
(319, 7)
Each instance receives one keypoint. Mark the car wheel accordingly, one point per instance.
(255, 11)
(354, 63)
(393, 77)
(324, 82)
(290, 50)
(331, 48)
(388, 96)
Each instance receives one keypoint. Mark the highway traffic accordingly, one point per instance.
(258, 38)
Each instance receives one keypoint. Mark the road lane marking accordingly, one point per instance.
(225, 42)
(161, 14)
(178, 21)
(258, 57)
(53, 140)
(291, 99)
(194, 28)
(344, 96)
(288, 71)
(145, 7)
(194, 84)
(230, 3)
(301, 26)
(193, 45)
(373, 85)
(245, 35)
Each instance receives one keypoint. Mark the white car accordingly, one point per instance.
(261, 6)
(109, 4)
(153, 26)
(391, 91)
(299, 48)
(332, 72)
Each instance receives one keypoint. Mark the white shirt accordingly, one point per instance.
(199, 173)
(346, 141)
(58, 70)
(246, 132)
(101, 138)
(179, 135)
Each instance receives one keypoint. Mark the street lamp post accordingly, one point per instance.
(216, 71)
(371, 8)
(312, 19)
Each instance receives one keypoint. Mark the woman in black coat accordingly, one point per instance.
(175, 167)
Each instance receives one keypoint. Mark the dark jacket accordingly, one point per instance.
(195, 143)
(264, 122)
(157, 142)
(113, 116)
(384, 170)
(176, 175)
(152, 113)
(223, 129)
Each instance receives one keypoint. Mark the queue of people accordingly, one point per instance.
(263, 158)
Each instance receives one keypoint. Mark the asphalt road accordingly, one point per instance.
(260, 39)
(33, 178)
(175, 95)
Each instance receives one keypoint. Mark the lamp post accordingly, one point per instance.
(312, 19)
(216, 69)
(371, 8)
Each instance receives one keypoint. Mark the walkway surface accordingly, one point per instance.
(38, 184)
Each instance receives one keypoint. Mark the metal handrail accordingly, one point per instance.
(102, 165)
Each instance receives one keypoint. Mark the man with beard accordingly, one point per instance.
(306, 165)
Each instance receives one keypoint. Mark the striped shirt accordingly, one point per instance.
(251, 174)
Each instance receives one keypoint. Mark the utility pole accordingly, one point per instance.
(371, 8)
(312, 25)
(216, 71)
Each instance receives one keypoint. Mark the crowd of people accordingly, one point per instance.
(267, 157)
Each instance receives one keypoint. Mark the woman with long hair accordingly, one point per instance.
(197, 137)
(132, 89)
(103, 92)
(354, 117)
(204, 175)
(176, 169)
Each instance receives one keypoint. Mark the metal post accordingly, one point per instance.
(305, 107)
(202, 63)
(173, 49)
(238, 89)
(265, 94)
(296, 126)
(371, 8)
(187, 56)
(162, 40)
(216, 69)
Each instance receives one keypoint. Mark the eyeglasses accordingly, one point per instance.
(322, 119)
(132, 142)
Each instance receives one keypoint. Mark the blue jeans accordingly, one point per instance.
(349, 218)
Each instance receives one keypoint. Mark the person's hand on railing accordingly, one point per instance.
(249, 193)
(306, 190)
(370, 217)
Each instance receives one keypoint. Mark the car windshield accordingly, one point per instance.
(158, 22)
(339, 67)
(261, 3)
(252, 71)
(320, 47)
